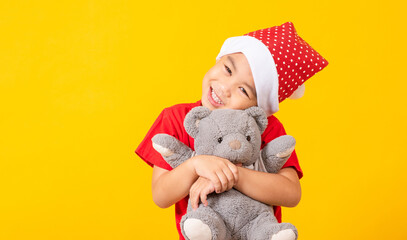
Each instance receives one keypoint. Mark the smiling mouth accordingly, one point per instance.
(214, 99)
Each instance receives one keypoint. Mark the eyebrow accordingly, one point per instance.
(233, 62)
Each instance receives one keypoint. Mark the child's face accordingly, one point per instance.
(229, 84)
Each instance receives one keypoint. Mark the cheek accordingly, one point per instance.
(242, 102)
(250, 102)
(207, 79)
(205, 86)
(214, 72)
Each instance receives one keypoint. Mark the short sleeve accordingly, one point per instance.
(163, 124)
(274, 130)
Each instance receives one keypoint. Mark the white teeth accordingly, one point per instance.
(216, 98)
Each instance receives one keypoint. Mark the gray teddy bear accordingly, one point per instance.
(234, 135)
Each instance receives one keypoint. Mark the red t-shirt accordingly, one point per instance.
(171, 121)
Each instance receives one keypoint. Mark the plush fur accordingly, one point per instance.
(236, 136)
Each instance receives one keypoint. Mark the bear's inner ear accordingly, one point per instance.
(260, 116)
(193, 118)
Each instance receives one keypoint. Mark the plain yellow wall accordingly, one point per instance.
(81, 82)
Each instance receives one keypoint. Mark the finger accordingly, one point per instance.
(204, 198)
(230, 177)
(192, 197)
(235, 171)
(216, 182)
(223, 180)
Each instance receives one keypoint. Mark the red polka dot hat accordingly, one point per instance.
(280, 60)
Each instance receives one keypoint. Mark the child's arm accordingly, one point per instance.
(168, 187)
(281, 189)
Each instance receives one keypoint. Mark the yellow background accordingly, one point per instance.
(81, 82)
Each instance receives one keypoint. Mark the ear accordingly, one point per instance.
(260, 116)
(191, 122)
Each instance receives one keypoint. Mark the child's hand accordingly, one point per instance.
(199, 191)
(221, 172)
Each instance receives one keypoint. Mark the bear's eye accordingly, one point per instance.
(220, 140)
(248, 138)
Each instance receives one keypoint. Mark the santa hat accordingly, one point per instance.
(280, 60)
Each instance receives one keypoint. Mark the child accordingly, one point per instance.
(261, 68)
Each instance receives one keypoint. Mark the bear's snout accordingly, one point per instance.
(235, 144)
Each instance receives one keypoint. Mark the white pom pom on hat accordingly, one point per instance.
(280, 60)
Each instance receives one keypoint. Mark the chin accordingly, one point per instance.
(207, 104)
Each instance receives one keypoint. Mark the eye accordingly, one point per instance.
(220, 140)
(228, 70)
(243, 91)
(248, 138)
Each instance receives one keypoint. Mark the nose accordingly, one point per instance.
(225, 87)
(235, 144)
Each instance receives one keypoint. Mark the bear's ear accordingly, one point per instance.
(260, 116)
(191, 122)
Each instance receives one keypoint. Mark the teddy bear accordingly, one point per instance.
(234, 135)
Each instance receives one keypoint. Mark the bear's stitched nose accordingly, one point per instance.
(235, 144)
